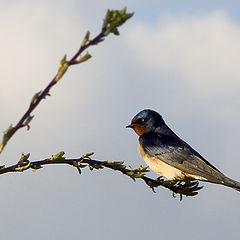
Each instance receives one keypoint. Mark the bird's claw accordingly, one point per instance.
(160, 179)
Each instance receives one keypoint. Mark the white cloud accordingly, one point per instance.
(203, 52)
(90, 107)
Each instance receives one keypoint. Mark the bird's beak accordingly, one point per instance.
(130, 126)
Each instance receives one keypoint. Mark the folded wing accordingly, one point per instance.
(175, 152)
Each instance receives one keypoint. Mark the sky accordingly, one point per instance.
(179, 58)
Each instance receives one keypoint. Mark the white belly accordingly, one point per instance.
(160, 167)
(164, 169)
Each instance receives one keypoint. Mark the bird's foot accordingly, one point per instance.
(160, 179)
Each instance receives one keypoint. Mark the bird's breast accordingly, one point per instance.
(161, 167)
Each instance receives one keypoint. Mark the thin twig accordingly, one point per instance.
(42, 95)
(188, 189)
(113, 19)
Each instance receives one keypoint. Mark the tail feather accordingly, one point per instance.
(231, 183)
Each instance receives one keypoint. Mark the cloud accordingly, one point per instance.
(203, 52)
(172, 66)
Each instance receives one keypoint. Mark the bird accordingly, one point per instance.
(169, 156)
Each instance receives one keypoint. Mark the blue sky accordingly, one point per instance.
(180, 58)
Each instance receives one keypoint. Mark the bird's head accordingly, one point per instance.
(146, 121)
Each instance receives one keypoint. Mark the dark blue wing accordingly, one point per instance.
(175, 152)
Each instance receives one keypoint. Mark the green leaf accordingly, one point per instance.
(63, 61)
(87, 155)
(6, 135)
(83, 59)
(63, 66)
(131, 175)
(113, 19)
(24, 158)
(86, 39)
(97, 166)
(143, 169)
(27, 121)
(35, 97)
(58, 156)
(23, 163)
(116, 165)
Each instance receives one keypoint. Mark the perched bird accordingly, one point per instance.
(169, 156)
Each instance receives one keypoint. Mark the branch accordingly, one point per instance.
(112, 21)
(189, 188)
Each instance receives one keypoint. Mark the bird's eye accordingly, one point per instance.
(143, 120)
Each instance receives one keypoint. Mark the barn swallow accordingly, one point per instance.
(169, 156)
